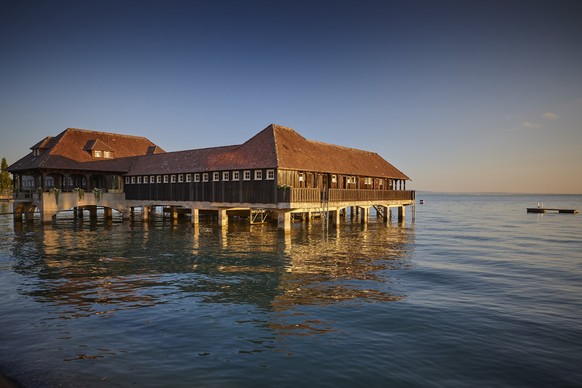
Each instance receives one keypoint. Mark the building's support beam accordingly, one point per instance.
(335, 217)
(284, 220)
(93, 213)
(145, 213)
(401, 213)
(107, 212)
(17, 213)
(364, 214)
(29, 214)
(386, 211)
(222, 218)
(126, 213)
(195, 216)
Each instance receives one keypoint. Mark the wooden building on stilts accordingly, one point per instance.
(277, 173)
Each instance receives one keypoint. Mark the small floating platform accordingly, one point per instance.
(550, 210)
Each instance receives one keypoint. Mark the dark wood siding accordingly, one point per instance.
(229, 191)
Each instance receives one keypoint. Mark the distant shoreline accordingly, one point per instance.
(427, 192)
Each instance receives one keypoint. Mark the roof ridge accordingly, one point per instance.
(341, 146)
(195, 149)
(104, 133)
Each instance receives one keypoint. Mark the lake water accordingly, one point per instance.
(474, 292)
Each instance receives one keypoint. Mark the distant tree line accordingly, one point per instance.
(5, 180)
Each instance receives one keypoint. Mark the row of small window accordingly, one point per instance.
(180, 178)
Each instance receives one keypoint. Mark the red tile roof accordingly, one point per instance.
(70, 150)
(274, 147)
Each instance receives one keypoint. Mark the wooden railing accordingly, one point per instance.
(311, 195)
(340, 195)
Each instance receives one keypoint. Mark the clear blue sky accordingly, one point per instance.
(460, 95)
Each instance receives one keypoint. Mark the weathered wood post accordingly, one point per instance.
(401, 213)
(195, 216)
(284, 220)
(222, 218)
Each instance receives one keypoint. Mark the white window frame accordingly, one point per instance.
(236, 175)
(205, 177)
(173, 178)
(258, 175)
(166, 180)
(301, 177)
(196, 178)
(107, 154)
(97, 153)
(158, 179)
(132, 180)
(225, 175)
(246, 175)
(188, 178)
(215, 176)
(270, 174)
(152, 179)
(180, 178)
(333, 178)
(146, 179)
(127, 180)
(139, 180)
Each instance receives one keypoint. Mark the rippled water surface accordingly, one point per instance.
(472, 292)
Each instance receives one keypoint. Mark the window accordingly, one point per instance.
(270, 174)
(188, 177)
(165, 179)
(139, 179)
(215, 176)
(196, 177)
(205, 177)
(246, 175)
(145, 179)
(333, 179)
(236, 175)
(367, 181)
(301, 177)
(180, 178)
(107, 154)
(173, 178)
(225, 175)
(97, 154)
(152, 179)
(159, 179)
(127, 180)
(258, 175)
(132, 179)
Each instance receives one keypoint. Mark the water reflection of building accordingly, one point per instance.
(278, 273)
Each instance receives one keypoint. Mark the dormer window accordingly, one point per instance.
(96, 154)
(107, 154)
(35, 152)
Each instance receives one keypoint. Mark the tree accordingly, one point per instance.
(5, 180)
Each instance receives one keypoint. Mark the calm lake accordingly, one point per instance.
(474, 292)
